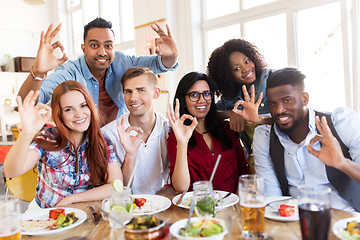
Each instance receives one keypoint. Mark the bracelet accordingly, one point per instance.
(35, 77)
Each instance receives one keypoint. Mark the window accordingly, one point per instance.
(119, 12)
(321, 38)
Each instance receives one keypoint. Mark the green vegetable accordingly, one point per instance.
(202, 228)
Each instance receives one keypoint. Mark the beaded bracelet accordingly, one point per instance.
(33, 75)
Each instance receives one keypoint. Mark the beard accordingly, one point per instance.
(292, 128)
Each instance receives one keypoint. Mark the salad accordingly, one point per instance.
(352, 231)
(202, 228)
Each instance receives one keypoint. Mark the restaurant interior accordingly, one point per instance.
(321, 38)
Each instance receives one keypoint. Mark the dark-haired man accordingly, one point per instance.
(281, 151)
(100, 68)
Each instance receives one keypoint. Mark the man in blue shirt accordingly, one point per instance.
(100, 68)
(291, 152)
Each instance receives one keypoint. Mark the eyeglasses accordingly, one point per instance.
(195, 96)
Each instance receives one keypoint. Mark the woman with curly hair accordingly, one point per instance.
(238, 67)
(74, 161)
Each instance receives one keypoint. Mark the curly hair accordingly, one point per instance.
(219, 68)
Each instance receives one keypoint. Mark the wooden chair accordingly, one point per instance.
(24, 186)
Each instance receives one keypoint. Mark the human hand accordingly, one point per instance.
(181, 131)
(65, 201)
(165, 45)
(45, 59)
(330, 152)
(250, 110)
(31, 119)
(129, 142)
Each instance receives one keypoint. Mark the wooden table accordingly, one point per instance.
(277, 230)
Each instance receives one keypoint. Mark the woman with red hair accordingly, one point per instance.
(74, 161)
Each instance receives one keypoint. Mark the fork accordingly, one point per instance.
(192, 208)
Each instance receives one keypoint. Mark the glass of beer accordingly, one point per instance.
(314, 211)
(9, 218)
(252, 202)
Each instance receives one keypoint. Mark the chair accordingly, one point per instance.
(24, 186)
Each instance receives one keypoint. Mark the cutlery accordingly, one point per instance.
(95, 215)
(192, 208)
(180, 199)
(228, 194)
(279, 200)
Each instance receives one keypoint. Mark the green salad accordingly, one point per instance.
(202, 228)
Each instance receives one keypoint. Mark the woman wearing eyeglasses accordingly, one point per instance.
(198, 137)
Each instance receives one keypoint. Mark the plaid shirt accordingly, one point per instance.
(56, 182)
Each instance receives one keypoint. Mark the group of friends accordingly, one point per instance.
(105, 126)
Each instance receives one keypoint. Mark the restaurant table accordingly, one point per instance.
(275, 229)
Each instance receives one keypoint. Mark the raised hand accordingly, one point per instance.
(181, 131)
(129, 142)
(31, 119)
(330, 152)
(45, 59)
(165, 45)
(250, 110)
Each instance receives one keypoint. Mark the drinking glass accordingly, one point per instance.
(314, 211)
(120, 208)
(252, 202)
(9, 218)
(203, 196)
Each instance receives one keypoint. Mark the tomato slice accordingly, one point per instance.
(140, 201)
(54, 214)
(286, 210)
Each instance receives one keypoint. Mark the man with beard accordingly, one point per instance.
(291, 152)
(99, 69)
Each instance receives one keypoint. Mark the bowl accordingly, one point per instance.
(175, 229)
(153, 233)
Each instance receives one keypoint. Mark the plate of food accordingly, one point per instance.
(199, 228)
(228, 201)
(51, 220)
(145, 204)
(284, 209)
(347, 229)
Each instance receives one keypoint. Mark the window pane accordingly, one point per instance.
(321, 55)
(73, 3)
(77, 31)
(90, 10)
(217, 37)
(246, 4)
(216, 8)
(269, 35)
(110, 11)
(127, 20)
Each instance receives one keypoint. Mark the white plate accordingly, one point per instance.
(227, 202)
(340, 225)
(175, 229)
(157, 203)
(43, 214)
(272, 213)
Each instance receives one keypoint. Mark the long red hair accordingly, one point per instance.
(96, 152)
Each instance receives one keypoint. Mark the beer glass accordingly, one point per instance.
(314, 211)
(252, 202)
(9, 218)
(120, 208)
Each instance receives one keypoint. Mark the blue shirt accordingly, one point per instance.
(301, 167)
(78, 70)
(260, 87)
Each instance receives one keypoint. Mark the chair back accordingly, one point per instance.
(24, 186)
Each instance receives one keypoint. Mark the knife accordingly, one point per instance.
(95, 215)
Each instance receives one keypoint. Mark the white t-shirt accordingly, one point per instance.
(152, 169)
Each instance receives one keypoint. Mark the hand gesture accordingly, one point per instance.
(129, 142)
(45, 59)
(165, 45)
(330, 152)
(31, 120)
(250, 110)
(181, 131)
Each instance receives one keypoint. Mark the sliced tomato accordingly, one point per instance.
(140, 201)
(54, 214)
(286, 210)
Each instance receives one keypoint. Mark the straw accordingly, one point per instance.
(132, 174)
(215, 167)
